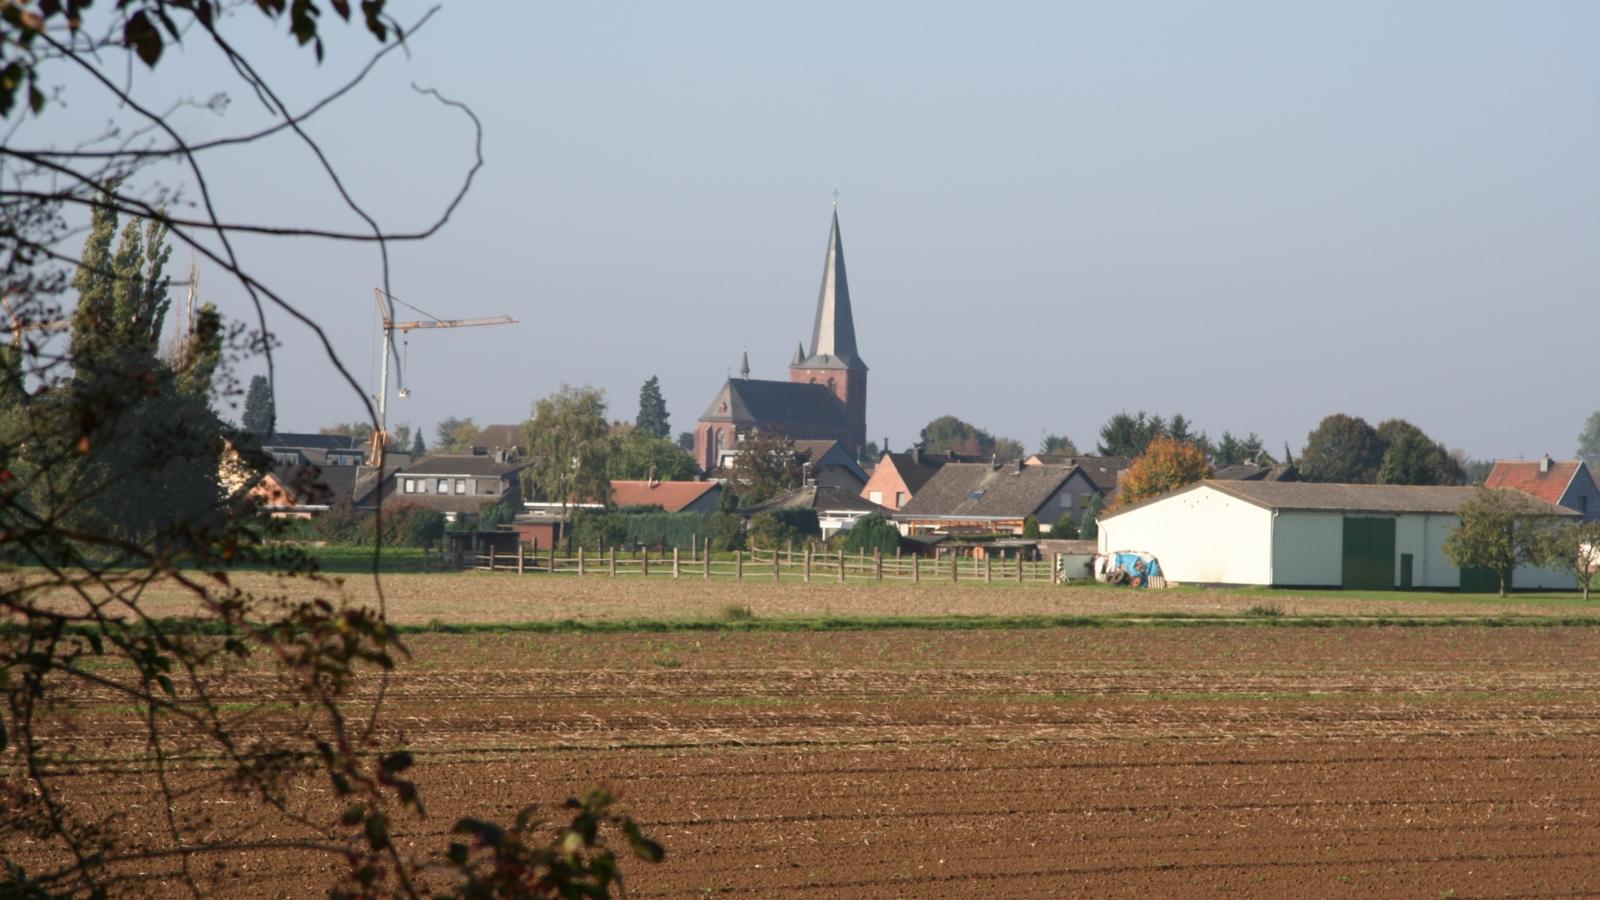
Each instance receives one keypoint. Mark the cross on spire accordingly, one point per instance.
(835, 198)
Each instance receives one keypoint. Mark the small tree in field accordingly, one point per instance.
(1089, 528)
(1064, 529)
(1030, 527)
(1167, 464)
(1499, 530)
(872, 532)
(1574, 548)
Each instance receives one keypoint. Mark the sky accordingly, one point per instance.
(1253, 213)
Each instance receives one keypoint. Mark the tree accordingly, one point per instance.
(104, 417)
(1030, 528)
(1007, 449)
(1575, 548)
(1125, 435)
(765, 466)
(569, 442)
(1499, 531)
(455, 435)
(1343, 450)
(652, 418)
(1089, 527)
(686, 441)
(872, 532)
(358, 432)
(1233, 451)
(948, 434)
(418, 448)
(777, 528)
(870, 453)
(1589, 441)
(1411, 457)
(259, 416)
(638, 454)
(1166, 465)
(1064, 529)
(1058, 445)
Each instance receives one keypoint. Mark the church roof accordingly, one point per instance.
(753, 400)
(833, 336)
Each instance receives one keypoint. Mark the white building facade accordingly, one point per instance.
(1309, 535)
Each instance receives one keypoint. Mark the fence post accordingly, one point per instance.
(644, 561)
(520, 567)
(674, 562)
(1019, 567)
(777, 563)
(988, 567)
(491, 557)
(877, 562)
(916, 568)
(694, 548)
(552, 557)
(807, 563)
(841, 567)
(738, 565)
(581, 561)
(706, 560)
(955, 567)
(611, 561)
(791, 551)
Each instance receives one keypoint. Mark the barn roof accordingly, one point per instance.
(1305, 496)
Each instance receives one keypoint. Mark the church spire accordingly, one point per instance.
(833, 337)
(744, 365)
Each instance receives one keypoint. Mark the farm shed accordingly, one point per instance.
(1296, 534)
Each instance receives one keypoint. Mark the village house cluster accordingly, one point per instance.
(1247, 524)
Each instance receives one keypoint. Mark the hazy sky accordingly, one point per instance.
(1254, 213)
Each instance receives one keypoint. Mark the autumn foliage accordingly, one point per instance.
(1165, 465)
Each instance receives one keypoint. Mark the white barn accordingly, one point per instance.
(1298, 534)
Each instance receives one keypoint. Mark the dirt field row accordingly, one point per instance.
(1084, 762)
(482, 597)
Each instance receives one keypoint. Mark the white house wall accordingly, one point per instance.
(1201, 536)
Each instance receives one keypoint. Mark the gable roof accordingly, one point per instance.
(1102, 471)
(500, 437)
(754, 400)
(302, 441)
(473, 465)
(1254, 472)
(829, 453)
(820, 498)
(1305, 496)
(313, 485)
(672, 496)
(979, 491)
(914, 468)
(1524, 475)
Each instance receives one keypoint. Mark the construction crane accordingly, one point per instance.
(381, 437)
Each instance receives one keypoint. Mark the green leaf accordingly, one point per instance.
(353, 814)
(377, 829)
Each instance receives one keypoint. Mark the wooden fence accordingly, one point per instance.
(804, 565)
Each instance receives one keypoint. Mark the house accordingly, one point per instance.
(326, 450)
(825, 397)
(456, 485)
(303, 491)
(1566, 482)
(1256, 472)
(988, 498)
(829, 463)
(1298, 534)
(1102, 476)
(837, 508)
(898, 476)
(672, 496)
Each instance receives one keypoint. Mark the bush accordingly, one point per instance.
(775, 528)
(1064, 529)
(1090, 529)
(655, 528)
(870, 533)
(420, 527)
(597, 530)
(726, 531)
(1030, 528)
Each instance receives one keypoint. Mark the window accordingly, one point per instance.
(411, 485)
(876, 497)
(1065, 501)
(461, 485)
(443, 486)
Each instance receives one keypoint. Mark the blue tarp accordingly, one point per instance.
(1140, 568)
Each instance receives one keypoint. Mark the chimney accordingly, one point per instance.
(1544, 463)
(916, 455)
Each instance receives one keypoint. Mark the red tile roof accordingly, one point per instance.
(1524, 475)
(672, 496)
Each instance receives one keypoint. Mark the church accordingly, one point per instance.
(825, 397)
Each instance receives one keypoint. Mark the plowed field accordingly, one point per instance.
(1240, 761)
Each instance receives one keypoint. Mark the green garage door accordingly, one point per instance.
(1369, 553)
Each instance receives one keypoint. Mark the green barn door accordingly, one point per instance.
(1368, 559)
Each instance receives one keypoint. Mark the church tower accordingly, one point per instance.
(833, 361)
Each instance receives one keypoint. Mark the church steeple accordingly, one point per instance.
(833, 336)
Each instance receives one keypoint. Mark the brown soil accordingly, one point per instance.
(1083, 762)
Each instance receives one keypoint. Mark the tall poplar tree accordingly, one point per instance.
(652, 418)
(260, 417)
